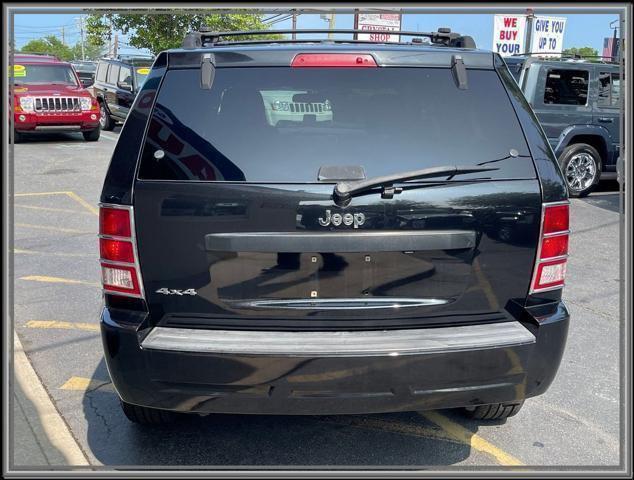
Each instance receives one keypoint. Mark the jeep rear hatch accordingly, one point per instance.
(234, 199)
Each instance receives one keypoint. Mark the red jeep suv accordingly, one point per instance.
(49, 97)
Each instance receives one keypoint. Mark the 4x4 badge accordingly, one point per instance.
(336, 219)
(171, 291)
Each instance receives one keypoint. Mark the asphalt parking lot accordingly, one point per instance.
(58, 299)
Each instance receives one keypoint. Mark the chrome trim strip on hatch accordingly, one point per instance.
(340, 343)
(340, 303)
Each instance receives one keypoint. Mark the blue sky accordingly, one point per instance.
(581, 29)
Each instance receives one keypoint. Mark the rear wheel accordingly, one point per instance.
(494, 411)
(105, 122)
(17, 137)
(581, 165)
(92, 135)
(145, 415)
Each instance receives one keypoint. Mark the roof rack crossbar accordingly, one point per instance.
(204, 38)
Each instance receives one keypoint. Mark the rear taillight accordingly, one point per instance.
(120, 273)
(552, 255)
(333, 60)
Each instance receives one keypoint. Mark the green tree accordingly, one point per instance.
(50, 45)
(581, 51)
(91, 51)
(162, 31)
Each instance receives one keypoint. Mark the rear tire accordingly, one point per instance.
(105, 122)
(17, 137)
(581, 166)
(494, 411)
(145, 415)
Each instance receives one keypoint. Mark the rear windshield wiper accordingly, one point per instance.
(344, 191)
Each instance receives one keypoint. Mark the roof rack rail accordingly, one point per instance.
(565, 56)
(206, 38)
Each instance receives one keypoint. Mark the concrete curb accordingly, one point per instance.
(46, 434)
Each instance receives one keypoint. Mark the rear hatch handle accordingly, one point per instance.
(344, 191)
(340, 242)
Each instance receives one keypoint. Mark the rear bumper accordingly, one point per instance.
(332, 372)
(50, 123)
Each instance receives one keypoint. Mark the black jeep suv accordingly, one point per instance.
(405, 251)
(117, 81)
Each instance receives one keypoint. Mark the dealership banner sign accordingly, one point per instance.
(547, 36)
(378, 21)
(509, 32)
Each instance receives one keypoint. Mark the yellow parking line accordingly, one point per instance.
(54, 229)
(82, 384)
(41, 278)
(37, 194)
(92, 209)
(56, 324)
(393, 427)
(83, 203)
(51, 209)
(474, 440)
(56, 254)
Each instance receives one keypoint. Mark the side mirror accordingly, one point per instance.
(125, 86)
(87, 82)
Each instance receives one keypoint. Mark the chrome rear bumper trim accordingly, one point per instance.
(339, 343)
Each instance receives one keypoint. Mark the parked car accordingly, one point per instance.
(578, 105)
(85, 71)
(117, 81)
(49, 97)
(407, 253)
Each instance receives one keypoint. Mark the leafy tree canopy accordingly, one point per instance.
(582, 51)
(51, 45)
(162, 31)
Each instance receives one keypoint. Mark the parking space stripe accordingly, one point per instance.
(54, 229)
(472, 439)
(70, 281)
(38, 194)
(56, 254)
(392, 427)
(57, 324)
(52, 209)
(83, 203)
(92, 209)
(83, 384)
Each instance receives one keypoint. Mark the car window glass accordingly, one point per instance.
(102, 70)
(282, 125)
(566, 87)
(615, 92)
(125, 76)
(44, 74)
(113, 74)
(604, 89)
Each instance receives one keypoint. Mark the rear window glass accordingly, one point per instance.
(282, 124)
(113, 74)
(102, 70)
(566, 87)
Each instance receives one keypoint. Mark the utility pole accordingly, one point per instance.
(331, 24)
(294, 36)
(530, 17)
(63, 42)
(81, 30)
(116, 43)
